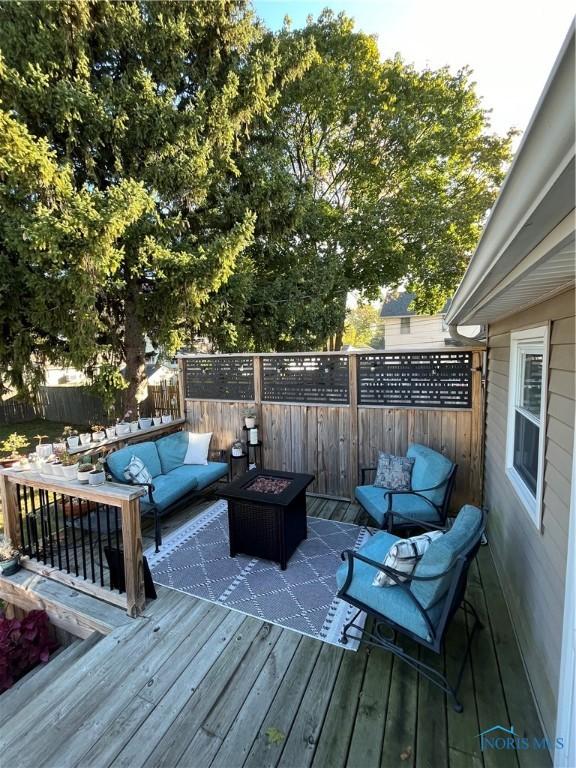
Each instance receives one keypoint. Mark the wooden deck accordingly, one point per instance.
(193, 684)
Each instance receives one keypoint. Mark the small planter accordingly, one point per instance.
(70, 471)
(97, 436)
(85, 438)
(83, 472)
(44, 450)
(166, 419)
(8, 567)
(9, 462)
(73, 441)
(145, 423)
(96, 478)
(58, 469)
(250, 422)
(122, 429)
(157, 420)
(133, 426)
(59, 448)
(110, 432)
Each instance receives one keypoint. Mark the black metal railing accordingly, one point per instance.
(67, 532)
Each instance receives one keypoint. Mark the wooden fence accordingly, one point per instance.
(330, 414)
(14, 411)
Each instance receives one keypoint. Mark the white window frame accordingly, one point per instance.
(535, 340)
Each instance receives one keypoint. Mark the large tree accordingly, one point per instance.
(369, 173)
(118, 121)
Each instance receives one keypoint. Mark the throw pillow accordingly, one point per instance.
(137, 471)
(198, 445)
(404, 556)
(393, 472)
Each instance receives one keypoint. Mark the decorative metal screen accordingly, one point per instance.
(219, 378)
(419, 379)
(305, 379)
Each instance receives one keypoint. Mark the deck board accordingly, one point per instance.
(193, 683)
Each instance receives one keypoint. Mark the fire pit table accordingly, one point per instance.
(267, 513)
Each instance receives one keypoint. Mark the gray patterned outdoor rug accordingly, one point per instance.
(195, 559)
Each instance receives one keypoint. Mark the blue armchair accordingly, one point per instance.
(422, 607)
(427, 501)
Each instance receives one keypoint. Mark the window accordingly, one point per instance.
(404, 325)
(527, 417)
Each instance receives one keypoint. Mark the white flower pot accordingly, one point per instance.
(44, 450)
(157, 420)
(97, 436)
(73, 441)
(122, 429)
(250, 422)
(58, 470)
(110, 432)
(166, 419)
(70, 471)
(85, 438)
(96, 478)
(133, 426)
(82, 477)
(145, 423)
(59, 448)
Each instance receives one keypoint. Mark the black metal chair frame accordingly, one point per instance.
(453, 600)
(390, 516)
(176, 505)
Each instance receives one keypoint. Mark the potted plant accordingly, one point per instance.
(157, 419)
(13, 444)
(85, 438)
(97, 476)
(166, 418)
(249, 418)
(9, 557)
(70, 436)
(82, 472)
(111, 432)
(123, 424)
(145, 422)
(98, 433)
(237, 448)
(69, 466)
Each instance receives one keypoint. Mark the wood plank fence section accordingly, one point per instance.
(14, 411)
(334, 441)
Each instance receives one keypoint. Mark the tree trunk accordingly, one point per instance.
(338, 340)
(135, 347)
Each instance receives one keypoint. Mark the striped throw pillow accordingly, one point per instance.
(137, 471)
(404, 556)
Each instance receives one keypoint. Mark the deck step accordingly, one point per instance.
(43, 675)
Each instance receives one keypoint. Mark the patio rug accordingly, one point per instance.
(195, 559)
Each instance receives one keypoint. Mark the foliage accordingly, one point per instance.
(362, 327)
(369, 173)
(13, 444)
(24, 643)
(50, 431)
(7, 550)
(117, 121)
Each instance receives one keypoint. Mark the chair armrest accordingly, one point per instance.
(363, 471)
(397, 576)
(420, 523)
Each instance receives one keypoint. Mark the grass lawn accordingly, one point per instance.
(53, 430)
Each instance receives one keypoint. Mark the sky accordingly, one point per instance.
(510, 45)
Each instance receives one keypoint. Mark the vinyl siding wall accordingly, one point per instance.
(424, 331)
(532, 563)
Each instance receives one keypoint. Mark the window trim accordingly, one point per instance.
(405, 327)
(530, 339)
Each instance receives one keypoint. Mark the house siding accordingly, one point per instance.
(531, 563)
(424, 331)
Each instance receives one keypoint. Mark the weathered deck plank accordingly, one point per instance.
(192, 683)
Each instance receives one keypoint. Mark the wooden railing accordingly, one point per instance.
(51, 521)
(331, 413)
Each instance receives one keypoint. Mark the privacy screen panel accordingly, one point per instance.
(219, 378)
(419, 379)
(305, 379)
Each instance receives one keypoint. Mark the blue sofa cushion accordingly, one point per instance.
(441, 555)
(118, 460)
(171, 487)
(206, 474)
(171, 450)
(392, 602)
(375, 503)
(430, 468)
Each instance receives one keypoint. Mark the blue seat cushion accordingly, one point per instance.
(375, 502)
(172, 450)
(430, 468)
(206, 474)
(171, 487)
(441, 556)
(391, 602)
(118, 460)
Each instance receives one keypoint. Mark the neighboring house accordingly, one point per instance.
(402, 327)
(57, 376)
(520, 284)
